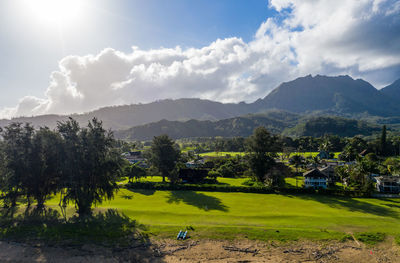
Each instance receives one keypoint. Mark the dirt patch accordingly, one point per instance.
(305, 251)
(206, 251)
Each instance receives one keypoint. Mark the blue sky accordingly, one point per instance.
(224, 50)
(35, 51)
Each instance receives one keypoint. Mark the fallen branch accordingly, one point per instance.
(319, 254)
(244, 250)
(300, 251)
(178, 249)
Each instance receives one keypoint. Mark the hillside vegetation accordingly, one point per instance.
(275, 121)
(319, 126)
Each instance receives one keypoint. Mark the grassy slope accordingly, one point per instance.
(258, 216)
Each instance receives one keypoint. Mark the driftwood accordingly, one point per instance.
(160, 253)
(331, 251)
(298, 251)
(244, 250)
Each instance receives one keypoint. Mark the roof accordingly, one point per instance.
(314, 173)
(327, 168)
(394, 179)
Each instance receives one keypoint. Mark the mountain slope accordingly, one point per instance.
(238, 126)
(275, 121)
(340, 94)
(319, 95)
(123, 117)
(319, 126)
(393, 90)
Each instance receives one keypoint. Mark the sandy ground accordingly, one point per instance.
(206, 251)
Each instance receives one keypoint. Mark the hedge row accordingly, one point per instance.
(241, 189)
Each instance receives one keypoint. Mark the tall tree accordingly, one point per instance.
(297, 160)
(17, 147)
(383, 142)
(90, 166)
(44, 179)
(135, 172)
(164, 155)
(261, 148)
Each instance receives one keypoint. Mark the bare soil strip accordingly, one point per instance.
(206, 251)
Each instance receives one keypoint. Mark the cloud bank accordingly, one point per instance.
(360, 38)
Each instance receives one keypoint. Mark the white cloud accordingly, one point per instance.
(358, 38)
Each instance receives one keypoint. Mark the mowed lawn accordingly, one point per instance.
(256, 216)
(232, 154)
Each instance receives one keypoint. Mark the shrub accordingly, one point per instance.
(370, 238)
(397, 240)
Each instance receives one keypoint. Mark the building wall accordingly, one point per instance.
(315, 182)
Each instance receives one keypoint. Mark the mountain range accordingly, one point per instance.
(275, 121)
(316, 96)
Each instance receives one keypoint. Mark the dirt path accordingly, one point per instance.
(205, 251)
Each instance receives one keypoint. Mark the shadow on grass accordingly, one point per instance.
(127, 197)
(102, 228)
(199, 200)
(108, 233)
(352, 204)
(392, 206)
(147, 192)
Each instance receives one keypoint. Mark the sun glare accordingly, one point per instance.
(55, 12)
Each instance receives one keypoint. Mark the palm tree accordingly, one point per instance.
(297, 161)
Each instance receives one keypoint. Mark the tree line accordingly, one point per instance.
(77, 163)
(385, 144)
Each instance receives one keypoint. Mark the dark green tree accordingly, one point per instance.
(298, 161)
(360, 174)
(17, 153)
(164, 156)
(135, 172)
(261, 148)
(383, 142)
(90, 168)
(45, 168)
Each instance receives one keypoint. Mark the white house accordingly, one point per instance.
(195, 163)
(329, 171)
(315, 179)
(388, 184)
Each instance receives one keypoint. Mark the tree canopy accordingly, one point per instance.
(164, 155)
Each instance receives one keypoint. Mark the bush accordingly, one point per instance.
(370, 238)
(249, 182)
(346, 237)
(256, 188)
(397, 240)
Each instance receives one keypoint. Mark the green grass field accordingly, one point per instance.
(222, 154)
(255, 216)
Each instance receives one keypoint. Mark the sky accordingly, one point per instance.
(74, 56)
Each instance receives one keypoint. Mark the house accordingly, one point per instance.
(135, 158)
(323, 155)
(388, 184)
(315, 179)
(373, 176)
(329, 172)
(195, 163)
